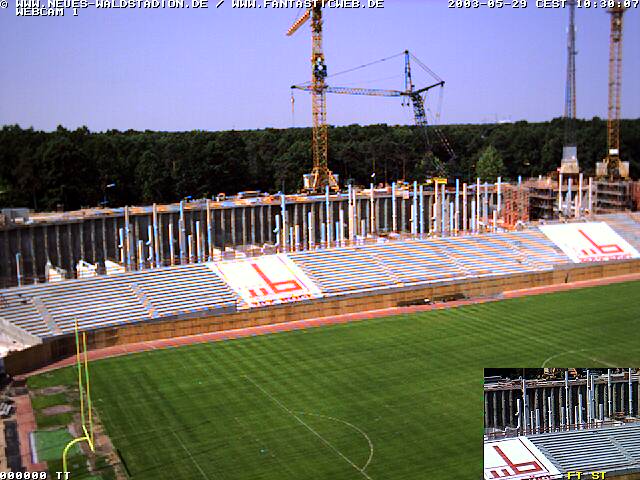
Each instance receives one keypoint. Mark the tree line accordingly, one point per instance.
(70, 169)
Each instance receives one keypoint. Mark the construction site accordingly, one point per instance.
(41, 247)
(335, 331)
(573, 420)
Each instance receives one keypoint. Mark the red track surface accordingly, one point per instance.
(26, 420)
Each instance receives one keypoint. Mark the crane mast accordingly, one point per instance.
(611, 166)
(320, 176)
(569, 164)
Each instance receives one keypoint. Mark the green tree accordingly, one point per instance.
(489, 165)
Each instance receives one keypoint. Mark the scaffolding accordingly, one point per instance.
(612, 196)
(516, 205)
(543, 196)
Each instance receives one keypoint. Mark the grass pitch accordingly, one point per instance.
(390, 398)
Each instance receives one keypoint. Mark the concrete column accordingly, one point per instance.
(296, 216)
(81, 235)
(478, 204)
(199, 249)
(32, 252)
(328, 219)
(562, 406)
(296, 236)
(473, 217)
(283, 221)
(536, 406)
(421, 193)
(321, 222)
(172, 253)
(579, 196)
(351, 234)
(609, 393)
(210, 236)
(127, 238)
(414, 213)
(372, 210)
(464, 207)
(191, 255)
(394, 218)
(430, 208)
(485, 204)
(456, 215)
(269, 224)
(511, 412)
(58, 249)
(580, 418)
(102, 256)
(234, 239)
(436, 208)
(311, 236)
(443, 212)
(403, 214)
(569, 197)
(560, 193)
(252, 224)
(486, 408)
(494, 398)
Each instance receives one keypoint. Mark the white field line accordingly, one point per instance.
(349, 425)
(302, 422)
(606, 364)
(190, 456)
(544, 364)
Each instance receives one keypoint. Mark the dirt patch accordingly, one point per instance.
(51, 390)
(56, 409)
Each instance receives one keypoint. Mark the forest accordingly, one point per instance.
(67, 169)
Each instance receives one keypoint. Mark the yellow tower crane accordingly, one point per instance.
(611, 166)
(320, 176)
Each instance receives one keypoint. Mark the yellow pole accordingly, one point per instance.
(79, 372)
(86, 371)
(66, 449)
(88, 435)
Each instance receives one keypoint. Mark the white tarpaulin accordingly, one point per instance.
(515, 459)
(266, 280)
(589, 242)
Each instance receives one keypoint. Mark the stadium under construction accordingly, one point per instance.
(123, 277)
(562, 423)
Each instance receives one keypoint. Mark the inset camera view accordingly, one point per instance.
(578, 423)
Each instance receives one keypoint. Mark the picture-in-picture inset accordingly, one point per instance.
(561, 423)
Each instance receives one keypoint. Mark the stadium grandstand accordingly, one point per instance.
(226, 294)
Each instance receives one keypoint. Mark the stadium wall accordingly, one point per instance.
(25, 361)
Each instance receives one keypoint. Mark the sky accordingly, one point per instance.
(229, 68)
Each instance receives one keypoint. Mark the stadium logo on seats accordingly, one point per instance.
(590, 242)
(267, 280)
